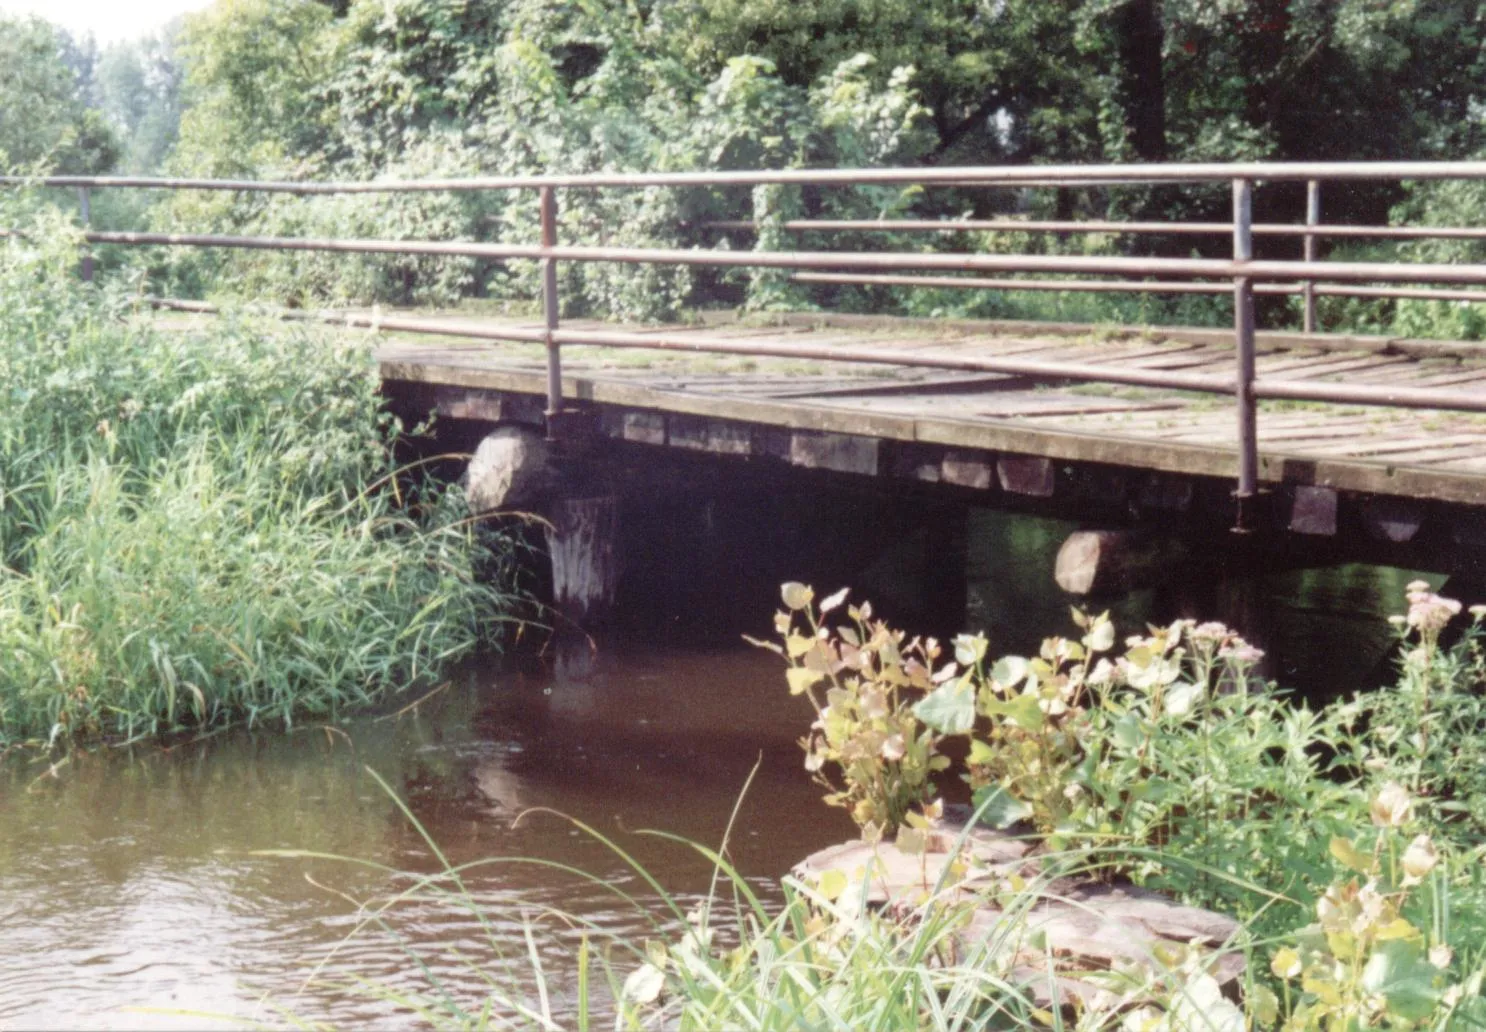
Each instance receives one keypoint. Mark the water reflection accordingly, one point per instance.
(1325, 631)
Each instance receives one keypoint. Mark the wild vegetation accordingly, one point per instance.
(361, 89)
(206, 526)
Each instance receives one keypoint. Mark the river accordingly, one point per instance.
(136, 890)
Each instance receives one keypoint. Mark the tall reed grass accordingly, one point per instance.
(206, 525)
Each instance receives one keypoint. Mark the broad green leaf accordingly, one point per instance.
(950, 708)
(913, 841)
(1350, 856)
(802, 679)
(832, 884)
(1023, 711)
(998, 808)
(1127, 732)
(1399, 971)
(798, 645)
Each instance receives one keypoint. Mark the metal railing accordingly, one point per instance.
(1242, 275)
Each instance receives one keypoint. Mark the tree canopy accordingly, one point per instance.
(365, 88)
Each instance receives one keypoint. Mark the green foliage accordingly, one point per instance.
(1172, 764)
(137, 90)
(44, 125)
(363, 89)
(1363, 964)
(199, 527)
(1429, 732)
(885, 750)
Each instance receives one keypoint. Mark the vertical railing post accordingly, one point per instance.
(550, 308)
(1243, 330)
(1312, 218)
(85, 213)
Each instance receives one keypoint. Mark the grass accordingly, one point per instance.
(816, 957)
(206, 526)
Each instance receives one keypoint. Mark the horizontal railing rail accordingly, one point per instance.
(981, 175)
(1241, 274)
(1096, 265)
(1279, 229)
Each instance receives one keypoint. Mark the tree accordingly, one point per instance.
(137, 90)
(44, 125)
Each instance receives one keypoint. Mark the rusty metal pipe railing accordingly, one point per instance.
(1077, 286)
(1090, 265)
(550, 307)
(1277, 229)
(1064, 175)
(1130, 286)
(1308, 253)
(1243, 334)
(85, 216)
(1242, 274)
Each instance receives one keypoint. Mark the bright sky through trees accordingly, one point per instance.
(108, 20)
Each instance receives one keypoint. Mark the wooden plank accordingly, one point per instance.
(1339, 369)
(1290, 362)
(1293, 438)
(988, 346)
(1339, 429)
(1413, 372)
(1384, 445)
(1018, 436)
(1466, 465)
(927, 386)
(1266, 340)
(1034, 408)
(1433, 455)
(844, 453)
(1019, 404)
(1196, 360)
(1462, 377)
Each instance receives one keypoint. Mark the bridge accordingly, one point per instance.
(1313, 446)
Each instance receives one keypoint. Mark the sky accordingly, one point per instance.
(108, 20)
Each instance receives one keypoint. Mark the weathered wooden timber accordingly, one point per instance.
(1348, 482)
(1062, 934)
(1104, 562)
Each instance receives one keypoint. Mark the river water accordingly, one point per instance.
(138, 887)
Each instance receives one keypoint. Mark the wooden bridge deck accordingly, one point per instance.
(1413, 453)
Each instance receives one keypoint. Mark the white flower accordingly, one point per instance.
(1392, 807)
(1429, 612)
(1418, 860)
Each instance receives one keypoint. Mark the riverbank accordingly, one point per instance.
(208, 527)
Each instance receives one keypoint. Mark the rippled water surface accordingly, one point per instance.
(132, 879)
(135, 890)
